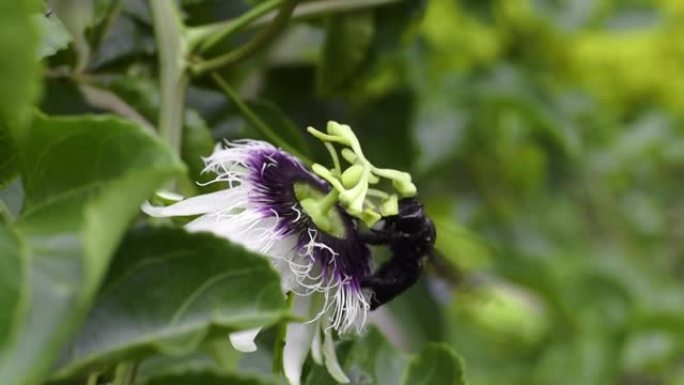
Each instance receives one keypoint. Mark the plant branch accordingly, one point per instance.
(262, 38)
(106, 100)
(100, 33)
(255, 120)
(125, 373)
(173, 78)
(204, 37)
(315, 9)
(92, 378)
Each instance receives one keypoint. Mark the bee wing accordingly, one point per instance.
(442, 267)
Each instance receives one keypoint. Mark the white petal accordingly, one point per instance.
(205, 223)
(243, 341)
(316, 352)
(197, 205)
(169, 196)
(298, 338)
(331, 362)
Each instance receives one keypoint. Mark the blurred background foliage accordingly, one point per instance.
(545, 136)
(555, 128)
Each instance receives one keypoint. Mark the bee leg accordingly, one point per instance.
(381, 237)
(384, 288)
(392, 278)
(375, 284)
(375, 237)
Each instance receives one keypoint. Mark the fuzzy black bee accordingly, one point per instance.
(410, 236)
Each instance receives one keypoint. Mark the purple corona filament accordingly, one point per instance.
(260, 211)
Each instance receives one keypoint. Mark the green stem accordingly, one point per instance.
(315, 9)
(225, 356)
(112, 12)
(125, 373)
(280, 340)
(328, 202)
(254, 119)
(377, 193)
(204, 37)
(92, 378)
(257, 42)
(335, 158)
(173, 78)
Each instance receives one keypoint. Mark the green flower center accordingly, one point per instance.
(351, 186)
(320, 207)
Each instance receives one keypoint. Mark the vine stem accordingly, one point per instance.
(201, 38)
(255, 120)
(204, 37)
(246, 50)
(92, 379)
(173, 77)
(125, 373)
(315, 9)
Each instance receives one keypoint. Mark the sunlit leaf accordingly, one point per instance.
(84, 180)
(13, 263)
(8, 167)
(19, 67)
(77, 17)
(54, 35)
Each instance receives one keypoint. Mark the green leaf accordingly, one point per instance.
(54, 35)
(19, 67)
(127, 40)
(11, 199)
(419, 316)
(168, 291)
(483, 10)
(197, 144)
(345, 50)
(205, 378)
(275, 118)
(459, 245)
(8, 167)
(213, 355)
(77, 17)
(436, 364)
(84, 180)
(369, 359)
(142, 94)
(396, 23)
(12, 275)
(373, 119)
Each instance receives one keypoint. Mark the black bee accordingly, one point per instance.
(410, 236)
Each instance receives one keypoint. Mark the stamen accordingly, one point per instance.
(352, 183)
(335, 159)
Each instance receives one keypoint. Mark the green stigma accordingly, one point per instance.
(351, 186)
(320, 208)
